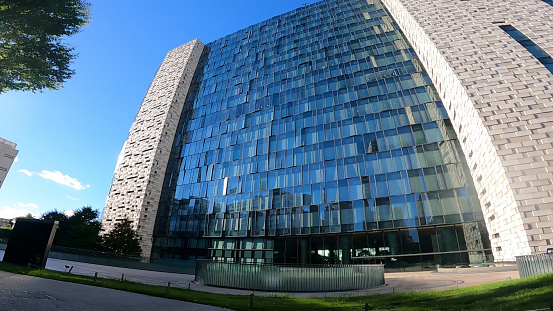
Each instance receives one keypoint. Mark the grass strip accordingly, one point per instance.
(524, 294)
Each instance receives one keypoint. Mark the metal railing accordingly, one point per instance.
(309, 278)
(530, 265)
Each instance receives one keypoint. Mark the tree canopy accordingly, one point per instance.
(122, 239)
(82, 230)
(79, 230)
(28, 216)
(32, 54)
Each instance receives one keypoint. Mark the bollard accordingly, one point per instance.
(95, 277)
(168, 287)
(251, 301)
(188, 285)
(122, 277)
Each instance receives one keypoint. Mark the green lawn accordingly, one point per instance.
(525, 294)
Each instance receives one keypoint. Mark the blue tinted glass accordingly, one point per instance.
(316, 193)
(371, 164)
(359, 215)
(536, 50)
(346, 215)
(398, 160)
(432, 132)
(351, 167)
(435, 207)
(343, 190)
(395, 184)
(370, 212)
(532, 47)
(405, 136)
(400, 213)
(331, 192)
(311, 116)
(381, 185)
(384, 213)
(392, 139)
(355, 189)
(386, 163)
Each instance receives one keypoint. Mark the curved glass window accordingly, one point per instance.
(306, 129)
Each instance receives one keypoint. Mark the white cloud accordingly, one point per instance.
(18, 210)
(58, 177)
(66, 180)
(16, 159)
(21, 204)
(69, 213)
(72, 198)
(26, 172)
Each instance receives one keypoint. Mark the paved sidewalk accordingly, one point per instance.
(395, 282)
(424, 280)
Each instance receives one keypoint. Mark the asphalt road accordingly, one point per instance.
(27, 293)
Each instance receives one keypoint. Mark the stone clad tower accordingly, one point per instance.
(139, 173)
(7, 157)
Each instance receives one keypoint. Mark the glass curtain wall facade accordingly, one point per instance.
(317, 137)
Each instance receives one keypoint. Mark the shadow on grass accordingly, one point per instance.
(523, 294)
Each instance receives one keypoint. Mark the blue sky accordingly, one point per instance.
(69, 140)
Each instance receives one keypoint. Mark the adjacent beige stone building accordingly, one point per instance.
(7, 157)
(139, 173)
(500, 100)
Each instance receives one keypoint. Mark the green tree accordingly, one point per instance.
(32, 54)
(79, 230)
(55, 215)
(28, 216)
(122, 239)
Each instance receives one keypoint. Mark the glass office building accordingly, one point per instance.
(317, 137)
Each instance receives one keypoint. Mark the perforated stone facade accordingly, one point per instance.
(7, 156)
(500, 100)
(137, 183)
